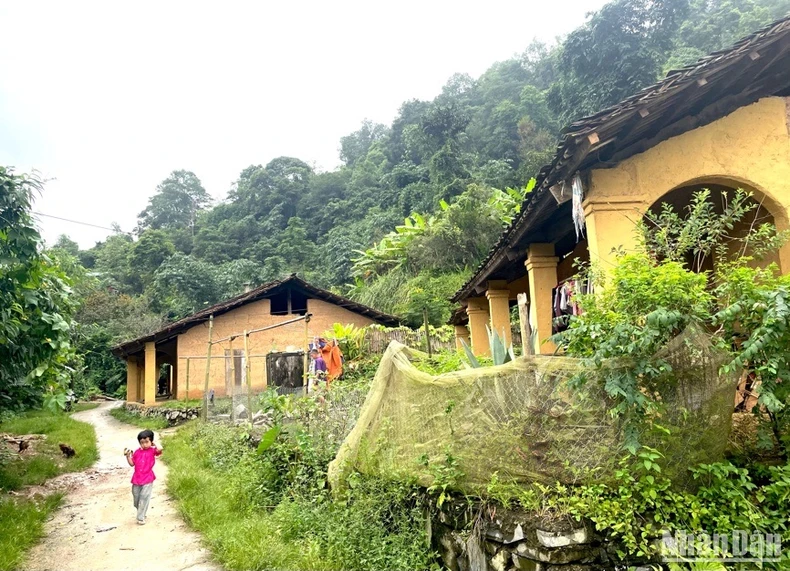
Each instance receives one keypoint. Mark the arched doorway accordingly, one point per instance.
(732, 243)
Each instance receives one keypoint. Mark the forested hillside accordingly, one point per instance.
(415, 205)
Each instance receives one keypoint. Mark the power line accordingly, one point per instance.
(83, 223)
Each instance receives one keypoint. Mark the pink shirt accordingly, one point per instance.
(144, 465)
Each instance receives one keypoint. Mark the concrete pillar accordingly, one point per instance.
(151, 374)
(611, 224)
(477, 310)
(131, 379)
(498, 296)
(461, 332)
(542, 269)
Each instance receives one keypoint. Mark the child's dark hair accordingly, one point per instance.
(149, 434)
(316, 351)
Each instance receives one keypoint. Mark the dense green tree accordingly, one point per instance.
(147, 254)
(67, 245)
(355, 146)
(619, 51)
(112, 262)
(176, 204)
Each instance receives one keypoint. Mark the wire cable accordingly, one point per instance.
(83, 223)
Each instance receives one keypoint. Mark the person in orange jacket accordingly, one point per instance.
(333, 357)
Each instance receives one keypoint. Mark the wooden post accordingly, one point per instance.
(171, 382)
(523, 321)
(247, 374)
(187, 378)
(232, 387)
(427, 332)
(208, 367)
(306, 352)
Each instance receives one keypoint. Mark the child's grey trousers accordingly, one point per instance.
(142, 496)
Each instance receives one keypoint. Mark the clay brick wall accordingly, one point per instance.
(193, 342)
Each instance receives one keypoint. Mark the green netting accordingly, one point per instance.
(523, 421)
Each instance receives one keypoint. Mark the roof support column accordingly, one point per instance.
(542, 269)
(498, 307)
(610, 227)
(149, 382)
(477, 310)
(131, 379)
(461, 334)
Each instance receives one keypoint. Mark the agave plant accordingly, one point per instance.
(499, 353)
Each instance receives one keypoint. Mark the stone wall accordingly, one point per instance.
(173, 416)
(480, 538)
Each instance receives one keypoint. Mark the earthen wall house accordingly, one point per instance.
(281, 302)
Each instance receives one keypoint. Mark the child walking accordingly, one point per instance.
(143, 478)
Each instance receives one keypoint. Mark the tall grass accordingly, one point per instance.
(22, 524)
(241, 539)
(273, 511)
(44, 460)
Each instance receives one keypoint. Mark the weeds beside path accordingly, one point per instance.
(96, 528)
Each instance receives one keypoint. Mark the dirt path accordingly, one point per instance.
(101, 498)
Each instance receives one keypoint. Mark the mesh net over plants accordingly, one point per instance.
(523, 421)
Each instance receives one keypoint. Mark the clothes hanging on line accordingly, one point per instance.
(565, 302)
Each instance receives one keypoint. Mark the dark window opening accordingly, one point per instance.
(298, 303)
(288, 302)
(279, 304)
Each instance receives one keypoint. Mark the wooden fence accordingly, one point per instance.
(378, 339)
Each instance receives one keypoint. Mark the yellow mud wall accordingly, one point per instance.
(750, 149)
(193, 342)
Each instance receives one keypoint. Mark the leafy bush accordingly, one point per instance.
(35, 304)
(755, 318)
(644, 305)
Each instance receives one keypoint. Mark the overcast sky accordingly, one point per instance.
(107, 98)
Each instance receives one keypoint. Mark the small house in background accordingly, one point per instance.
(171, 362)
(722, 123)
